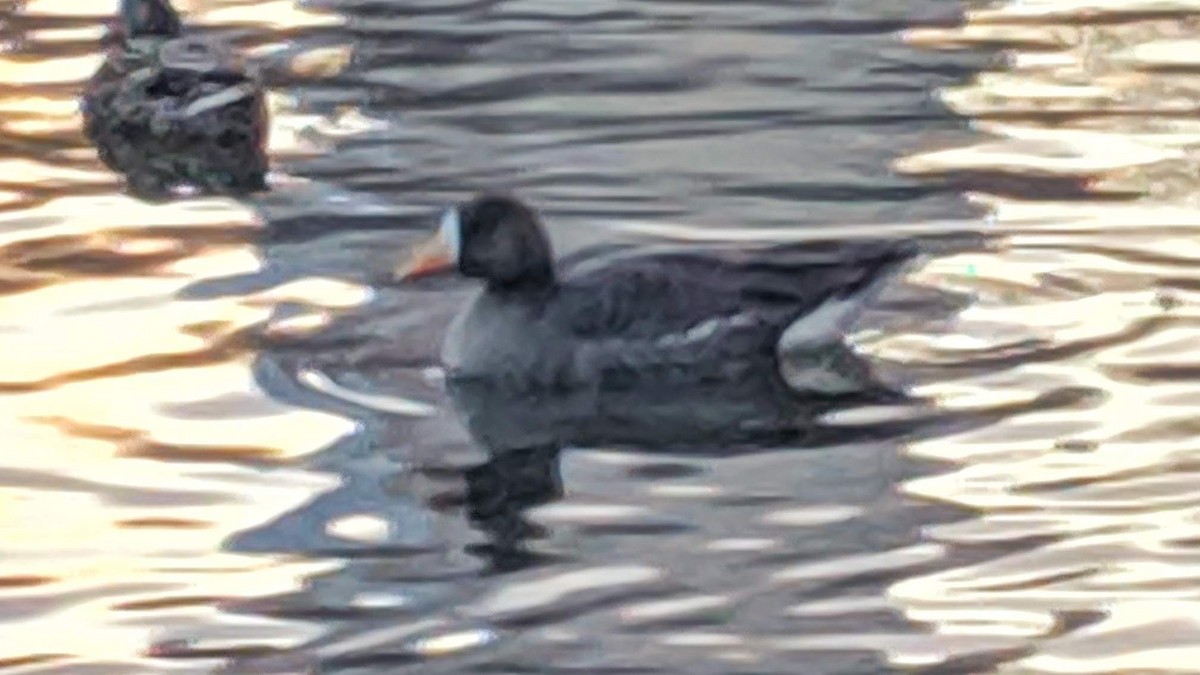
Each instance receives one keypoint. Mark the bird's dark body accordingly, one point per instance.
(672, 350)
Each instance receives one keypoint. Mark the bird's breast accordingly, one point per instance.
(502, 340)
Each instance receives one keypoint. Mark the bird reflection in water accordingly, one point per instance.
(499, 491)
(525, 434)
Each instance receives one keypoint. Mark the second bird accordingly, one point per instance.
(168, 110)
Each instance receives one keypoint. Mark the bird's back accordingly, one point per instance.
(722, 304)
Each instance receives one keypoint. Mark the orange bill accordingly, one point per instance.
(428, 259)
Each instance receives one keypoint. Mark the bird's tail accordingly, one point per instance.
(849, 291)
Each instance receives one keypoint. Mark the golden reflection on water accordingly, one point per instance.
(107, 372)
(1098, 292)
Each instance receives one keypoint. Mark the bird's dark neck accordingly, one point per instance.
(527, 286)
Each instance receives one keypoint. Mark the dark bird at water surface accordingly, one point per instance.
(167, 109)
(708, 341)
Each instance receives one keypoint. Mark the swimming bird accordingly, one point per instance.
(649, 321)
(168, 109)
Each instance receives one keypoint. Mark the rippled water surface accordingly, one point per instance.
(224, 447)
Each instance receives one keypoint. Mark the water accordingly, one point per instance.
(224, 450)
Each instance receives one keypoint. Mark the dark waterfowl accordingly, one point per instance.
(166, 109)
(660, 321)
